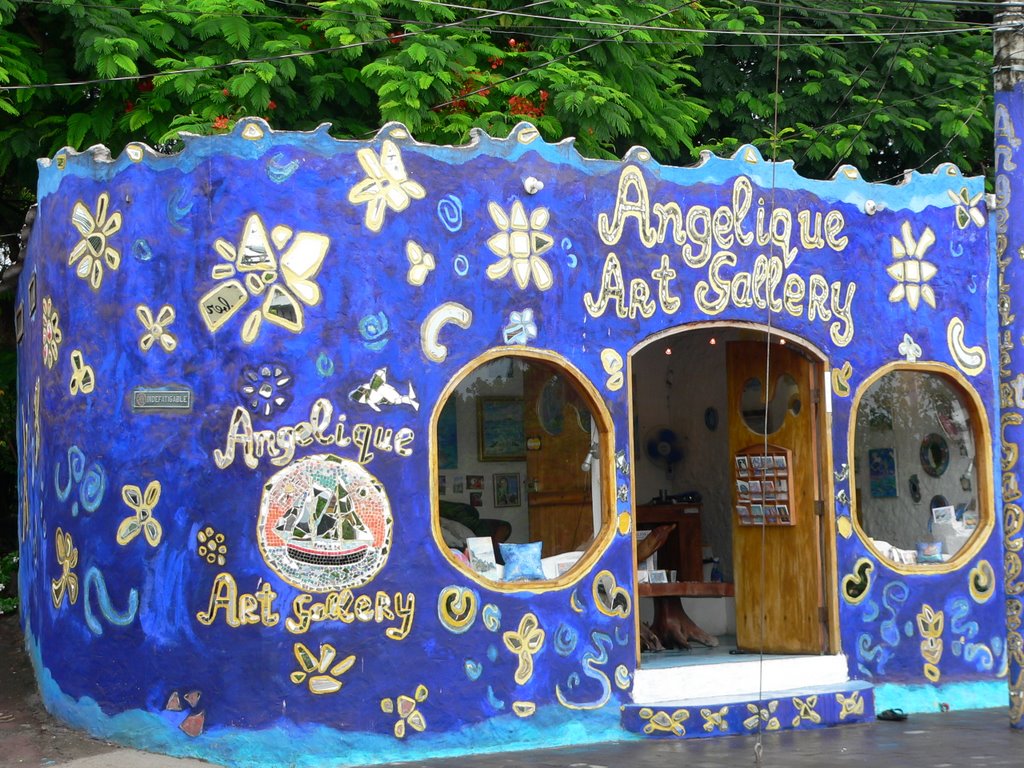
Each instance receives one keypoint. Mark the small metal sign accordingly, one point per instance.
(158, 399)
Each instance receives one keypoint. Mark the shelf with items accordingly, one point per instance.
(764, 485)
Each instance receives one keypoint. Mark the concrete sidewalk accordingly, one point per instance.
(967, 739)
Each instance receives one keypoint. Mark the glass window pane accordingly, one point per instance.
(914, 465)
(518, 447)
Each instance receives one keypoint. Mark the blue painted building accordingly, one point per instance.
(340, 452)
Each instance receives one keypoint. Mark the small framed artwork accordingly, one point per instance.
(500, 429)
(458, 485)
(447, 437)
(882, 472)
(474, 482)
(476, 499)
(506, 490)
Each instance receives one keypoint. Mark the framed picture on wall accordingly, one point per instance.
(500, 429)
(506, 490)
(882, 473)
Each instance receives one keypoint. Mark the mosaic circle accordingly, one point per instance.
(325, 524)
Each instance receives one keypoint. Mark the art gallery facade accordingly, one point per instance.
(339, 452)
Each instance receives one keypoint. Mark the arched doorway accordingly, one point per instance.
(729, 425)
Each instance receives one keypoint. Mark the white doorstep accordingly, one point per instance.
(733, 677)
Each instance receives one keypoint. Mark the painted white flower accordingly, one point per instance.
(421, 263)
(519, 244)
(910, 349)
(521, 327)
(910, 271)
(967, 210)
(386, 185)
(285, 284)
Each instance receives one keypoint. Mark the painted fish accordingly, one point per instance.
(377, 392)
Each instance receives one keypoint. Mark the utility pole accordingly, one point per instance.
(1008, 81)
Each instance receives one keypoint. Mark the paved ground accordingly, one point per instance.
(969, 739)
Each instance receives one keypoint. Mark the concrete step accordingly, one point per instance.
(809, 706)
(703, 673)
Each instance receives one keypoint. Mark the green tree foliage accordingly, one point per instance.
(892, 92)
(166, 66)
(870, 89)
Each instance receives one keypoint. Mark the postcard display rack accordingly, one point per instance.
(763, 485)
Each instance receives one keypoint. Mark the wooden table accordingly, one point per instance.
(681, 552)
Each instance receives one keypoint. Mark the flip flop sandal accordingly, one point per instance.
(892, 714)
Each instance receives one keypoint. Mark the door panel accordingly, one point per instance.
(558, 488)
(777, 568)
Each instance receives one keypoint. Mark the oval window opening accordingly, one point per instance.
(519, 490)
(915, 466)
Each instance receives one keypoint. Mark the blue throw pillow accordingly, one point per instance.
(522, 561)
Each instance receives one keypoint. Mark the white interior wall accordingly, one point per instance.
(491, 381)
(674, 391)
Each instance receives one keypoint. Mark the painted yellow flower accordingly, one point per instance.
(156, 328)
(212, 546)
(910, 271)
(83, 377)
(52, 334)
(405, 706)
(854, 705)
(519, 244)
(94, 249)
(67, 558)
(386, 185)
(143, 519)
(254, 262)
(524, 642)
(326, 681)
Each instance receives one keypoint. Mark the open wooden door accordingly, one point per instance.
(556, 424)
(776, 531)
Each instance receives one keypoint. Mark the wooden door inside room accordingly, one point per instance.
(556, 423)
(776, 493)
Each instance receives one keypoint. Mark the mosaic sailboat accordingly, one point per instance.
(322, 528)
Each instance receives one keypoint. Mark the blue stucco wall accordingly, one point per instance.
(155, 606)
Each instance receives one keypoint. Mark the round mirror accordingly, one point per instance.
(934, 454)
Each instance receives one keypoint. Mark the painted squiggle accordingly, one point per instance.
(565, 639)
(592, 659)
(868, 652)
(959, 611)
(893, 597)
(871, 610)
(980, 655)
(94, 580)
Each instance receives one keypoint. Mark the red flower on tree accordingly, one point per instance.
(220, 123)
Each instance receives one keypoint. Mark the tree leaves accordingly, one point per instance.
(620, 74)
